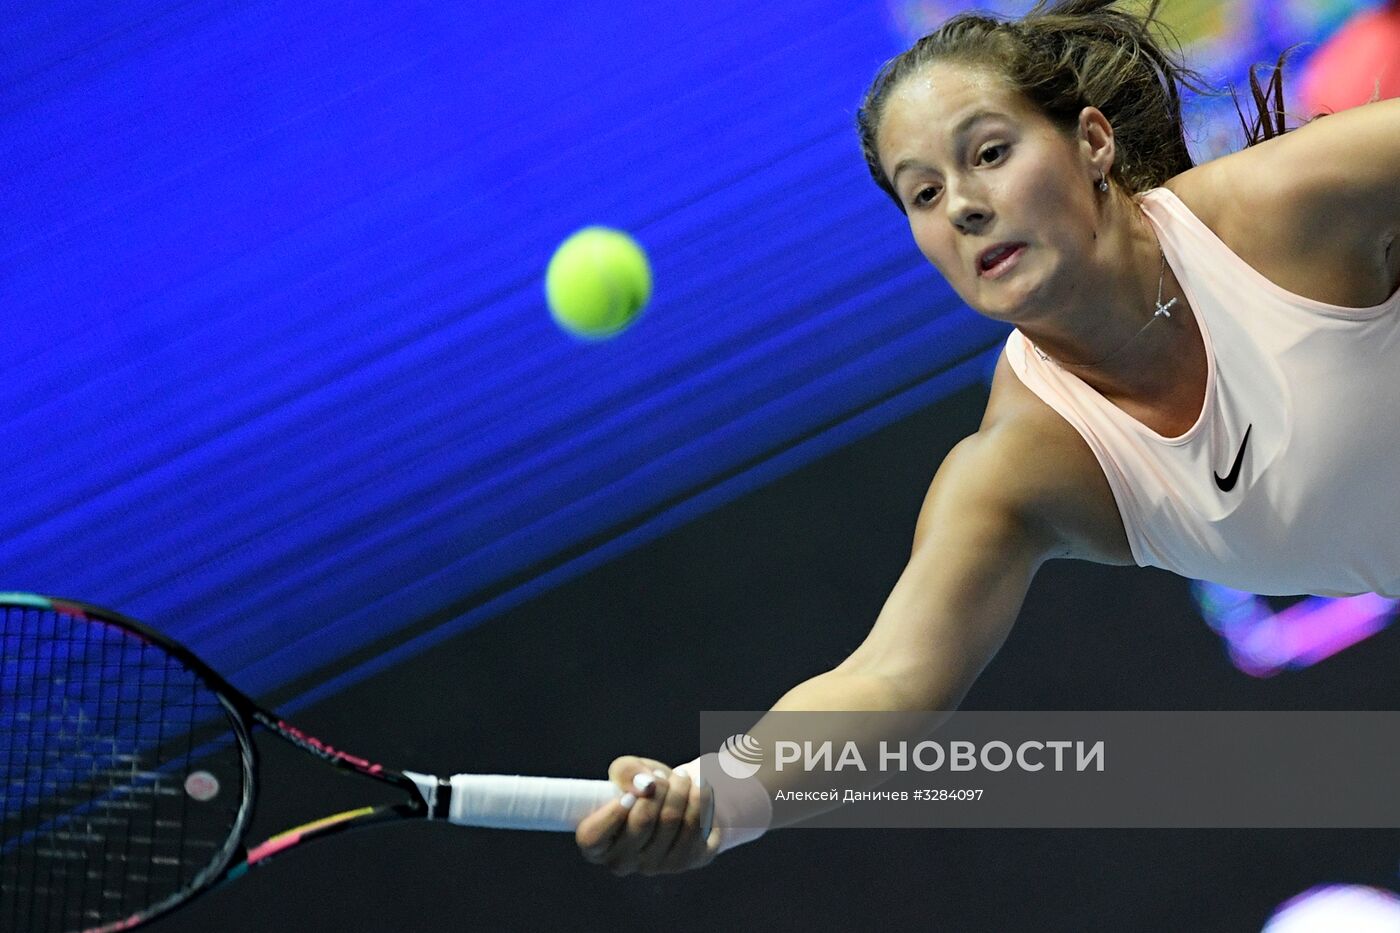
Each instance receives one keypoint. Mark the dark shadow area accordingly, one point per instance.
(727, 614)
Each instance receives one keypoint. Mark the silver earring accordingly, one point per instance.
(1103, 183)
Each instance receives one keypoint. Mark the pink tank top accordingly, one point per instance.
(1289, 480)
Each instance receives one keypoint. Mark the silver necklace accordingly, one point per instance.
(1162, 310)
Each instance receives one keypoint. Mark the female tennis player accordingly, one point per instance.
(1204, 373)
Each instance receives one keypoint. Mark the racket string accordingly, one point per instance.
(122, 778)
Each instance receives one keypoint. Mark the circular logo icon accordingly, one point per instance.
(740, 756)
(202, 786)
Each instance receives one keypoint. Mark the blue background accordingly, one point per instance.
(281, 378)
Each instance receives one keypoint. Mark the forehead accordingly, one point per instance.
(924, 108)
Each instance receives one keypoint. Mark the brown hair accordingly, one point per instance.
(1066, 56)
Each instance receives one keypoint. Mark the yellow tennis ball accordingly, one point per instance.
(597, 282)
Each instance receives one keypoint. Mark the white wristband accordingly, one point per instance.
(743, 809)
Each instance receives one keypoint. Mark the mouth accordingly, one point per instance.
(997, 260)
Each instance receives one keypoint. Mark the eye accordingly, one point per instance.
(997, 152)
(925, 196)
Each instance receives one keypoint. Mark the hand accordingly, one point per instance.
(661, 824)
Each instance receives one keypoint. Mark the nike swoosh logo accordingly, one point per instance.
(1226, 483)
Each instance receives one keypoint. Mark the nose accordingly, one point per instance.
(968, 210)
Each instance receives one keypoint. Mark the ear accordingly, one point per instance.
(1096, 142)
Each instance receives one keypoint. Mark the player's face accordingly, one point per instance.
(999, 199)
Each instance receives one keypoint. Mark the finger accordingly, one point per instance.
(641, 823)
(688, 849)
(655, 855)
(597, 833)
(624, 772)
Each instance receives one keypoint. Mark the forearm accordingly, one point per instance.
(950, 611)
(841, 690)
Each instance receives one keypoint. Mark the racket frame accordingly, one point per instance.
(243, 714)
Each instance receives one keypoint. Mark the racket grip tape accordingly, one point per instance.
(511, 801)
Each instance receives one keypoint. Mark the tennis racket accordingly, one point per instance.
(130, 775)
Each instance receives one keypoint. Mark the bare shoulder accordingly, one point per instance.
(1027, 465)
(1317, 210)
(1345, 165)
(1346, 162)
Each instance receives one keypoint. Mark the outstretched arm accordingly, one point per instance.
(977, 545)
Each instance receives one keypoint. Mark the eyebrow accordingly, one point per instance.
(959, 131)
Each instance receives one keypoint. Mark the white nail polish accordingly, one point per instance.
(658, 772)
(642, 782)
(626, 800)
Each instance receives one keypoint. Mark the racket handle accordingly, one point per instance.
(509, 801)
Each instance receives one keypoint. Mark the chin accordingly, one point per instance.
(1010, 302)
(1001, 307)
(995, 300)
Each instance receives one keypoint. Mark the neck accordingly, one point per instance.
(1108, 332)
